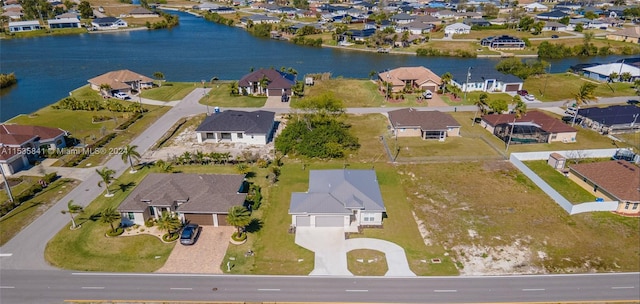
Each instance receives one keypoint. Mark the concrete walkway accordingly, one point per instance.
(331, 248)
(46, 167)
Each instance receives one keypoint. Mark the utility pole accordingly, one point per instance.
(544, 91)
(466, 85)
(513, 126)
(6, 184)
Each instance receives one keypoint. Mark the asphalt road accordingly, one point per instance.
(24, 286)
(25, 277)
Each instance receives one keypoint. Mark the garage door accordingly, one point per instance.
(431, 88)
(512, 87)
(303, 221)
(329, 221)
(16, 165)
(222, 220)
(200, 219)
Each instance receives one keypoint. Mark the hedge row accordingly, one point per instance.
(76, 159)
(129, 122)
(27, 194)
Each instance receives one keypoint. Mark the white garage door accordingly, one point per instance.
(303, 221)
(329, 221)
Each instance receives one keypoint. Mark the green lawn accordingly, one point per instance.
(472, 97)
(219, 97)
(365, 262)
(567, 188)
(368, 128)
(170, 91)
(556, 87)
(30, 210)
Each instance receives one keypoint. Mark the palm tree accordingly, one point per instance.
(169, 222)
(233, 88)
(585, 93)
(613, 77)
(107, 176)
(129, 153)
(239, 217)
(71, 210)
(520, 108)
(109, 216)
(105, 89)
(626, 76)
(446, 78)
(481, 103)
(159, 76)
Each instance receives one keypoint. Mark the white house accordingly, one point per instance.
(535, 7)
(254, 128)
(64, 23)
(24, 26)
(456, 28)
(339, 198)
(108, 23)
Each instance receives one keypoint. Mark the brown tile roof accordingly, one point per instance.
(118, 79)
(633, 32)
(426, 120)
(15, 135)
(206, 193)
(418, 74)
(8, 152)
(619, 178)
(546, 122)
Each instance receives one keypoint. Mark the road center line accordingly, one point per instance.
(356, 290)
(533, 289)
(445, 290)
(268, 289)
(181, 288)
(7, 287)
(6, 254)
(92, 287)
(622, 287)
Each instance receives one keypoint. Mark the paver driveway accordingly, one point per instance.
(205, 256)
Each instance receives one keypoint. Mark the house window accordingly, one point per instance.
(368, 217)
(210, 136)
(626, 206)
(152, 211)
(131, 216)
(239, 135)
(554, 136)
(635, 206)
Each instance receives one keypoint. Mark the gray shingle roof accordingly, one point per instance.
(203, 193)
(426, 120)
(257, 122)
(339, 192)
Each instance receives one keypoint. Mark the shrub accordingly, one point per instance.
(239, 237)
(129, 122)
(49, 178)
(118, 231)
(149, 223)
(170, 238)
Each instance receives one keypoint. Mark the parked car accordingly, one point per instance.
(530, 97)
(120, 95)
(189, 234)
(554, 36)
(522, 92)
(427, 94)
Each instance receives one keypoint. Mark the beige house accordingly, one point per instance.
(533, 127)
(424, 124)
(629, 34)
(121, 81)
(419, 78)
(614, 180)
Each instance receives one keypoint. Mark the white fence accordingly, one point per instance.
(517, 158)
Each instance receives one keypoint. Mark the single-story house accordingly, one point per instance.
(357, 35)
(141, 12)
(553, 26)
(503, 42)
(402, 18)
(629, 34)
(68, 15)
(254, 128)
(612, 119)
(64, 23)
(258, 19)
(12, 15)
(121, 81)
(339, 198)
(535, 7)
(415, 27)
(479, 22)
(486, 80)
(409, 77)
(456, 28)
(20, 144)
(202, 199)
(603, 71)
(410, 122)
(532, 127)
(24, 26)
(552, 15)
(108, 23)
(269, 82)
(616, 180)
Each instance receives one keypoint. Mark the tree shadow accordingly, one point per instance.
(12, 214)
(254, 226)
(93, 217)
(250, 174)
(124, 187)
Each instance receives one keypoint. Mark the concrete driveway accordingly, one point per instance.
(331, 249)
(205, 256)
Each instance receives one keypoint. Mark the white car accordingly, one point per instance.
(427, 94)
(530, 97)
(121, 95)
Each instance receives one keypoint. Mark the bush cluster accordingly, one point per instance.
(27, 194)
(71, 103)
(217, 18)
(307, 41)
(118, 231)
(129, 122)
(7, 80)
(76, 159)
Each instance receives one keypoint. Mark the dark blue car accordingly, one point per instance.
(189, 234)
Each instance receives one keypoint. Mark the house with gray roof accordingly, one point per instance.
(202, 199)
(339, 198)
(254, 128)
(410, 122)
